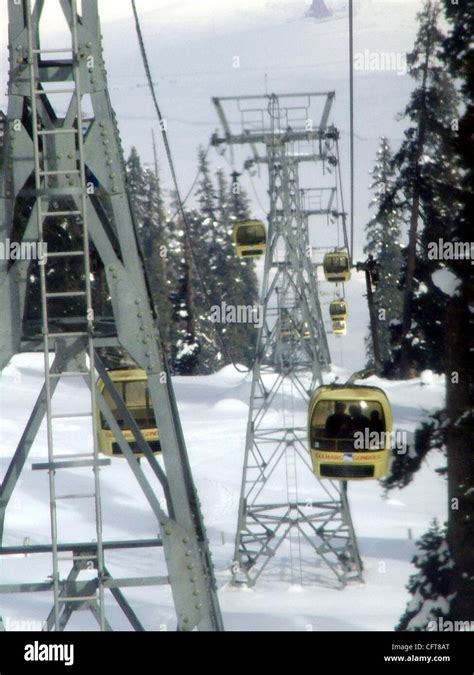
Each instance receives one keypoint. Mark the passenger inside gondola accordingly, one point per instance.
(359, 422)
(251, 234)
(376, 423)
(342, 419)
(338, 424)
(349, 431)
(341, 426)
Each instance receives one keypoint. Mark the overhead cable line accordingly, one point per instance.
(351, 117)
(179, 201)
(343, 213)
(188, 194)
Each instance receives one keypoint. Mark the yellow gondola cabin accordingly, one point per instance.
(132, 386)
(350, 429)
(336, 266)
(339, 328)
(306, 332)
(338, 310)
(250, 238)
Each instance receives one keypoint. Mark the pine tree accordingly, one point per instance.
(432, 435)
(452, 427)
(205, 271)
(205, 193)
(458, 330)
(185, 346)
(136, 187)
(426, 180)
(2, 134)
(205, 284)
(239, 201)
(430, 585)
(145, 194)
(154, 244)
(193, 335)
(383, 242)
(208, 275)
(238, 282)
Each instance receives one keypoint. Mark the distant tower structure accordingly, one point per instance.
(319, 10)
(281, 505)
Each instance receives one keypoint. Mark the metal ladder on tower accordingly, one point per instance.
(291, 469)
(76, 179)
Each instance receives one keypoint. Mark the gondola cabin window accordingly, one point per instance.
(250, 238)
(250, 235)
(338, 310)
(348, 425)
(336, 266)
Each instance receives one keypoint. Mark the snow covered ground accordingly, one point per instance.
(214, 412)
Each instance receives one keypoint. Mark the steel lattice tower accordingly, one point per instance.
(292, 350)
(68, 167)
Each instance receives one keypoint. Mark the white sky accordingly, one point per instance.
(190, 10)
(182, 16)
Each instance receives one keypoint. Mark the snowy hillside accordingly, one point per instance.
(214, 414)
(192, 48)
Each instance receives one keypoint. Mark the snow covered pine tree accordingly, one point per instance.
(447, 585)
(383, 242)
(424, 191)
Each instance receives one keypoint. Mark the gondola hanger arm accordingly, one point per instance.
(360, 375)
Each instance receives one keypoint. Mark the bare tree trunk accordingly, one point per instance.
(460, 459)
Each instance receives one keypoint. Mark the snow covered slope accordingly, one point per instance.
(214, 414)
(192, 48)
